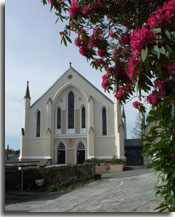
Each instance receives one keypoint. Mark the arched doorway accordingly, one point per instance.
(80, 153)
(61, 154)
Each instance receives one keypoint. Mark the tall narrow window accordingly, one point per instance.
(104, 122)
(38, 120)
(83, 117)
(71, 111)
(58, 118)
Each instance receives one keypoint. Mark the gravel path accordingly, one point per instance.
(131, 191)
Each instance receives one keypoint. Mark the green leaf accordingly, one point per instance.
(134, 73)
(44, 2)
(146, 64)
(144, 54)
(157, 50)
(65, 42)
(168, 35)
(69, 40)
(150, 119)
(169, 48)
(156, 30)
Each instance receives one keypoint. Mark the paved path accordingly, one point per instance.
(131, 191)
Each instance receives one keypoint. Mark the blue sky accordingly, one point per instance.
(33, 53)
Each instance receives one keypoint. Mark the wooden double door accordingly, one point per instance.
(61, 156)
(80, 156)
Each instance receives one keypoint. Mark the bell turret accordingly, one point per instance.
(27, 96)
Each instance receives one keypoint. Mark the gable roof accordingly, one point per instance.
(81, 77)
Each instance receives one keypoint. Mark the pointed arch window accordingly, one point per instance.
(83, 117)
(104, 122)
(71, 110)
(38, 123)
(58, 118)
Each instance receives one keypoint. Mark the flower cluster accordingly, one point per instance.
(140, 39)
(125, 38)
(163, 15)
(171, 69)
(133, 68)
(104, 81)
(122, 91)
(138, 105)
(91, 10)
(154, 98)
(119, 48)
(161, 85)
(74, 9)
(87, 45)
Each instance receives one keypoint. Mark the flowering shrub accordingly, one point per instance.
(136, 51)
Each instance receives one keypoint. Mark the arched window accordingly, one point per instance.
(104, 122)
(71, 110)
(58, 118)
(80, 146)
(38, 123)
(83, 117)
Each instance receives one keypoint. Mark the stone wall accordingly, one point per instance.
(60, 176)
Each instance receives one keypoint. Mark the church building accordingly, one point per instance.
(71, 122)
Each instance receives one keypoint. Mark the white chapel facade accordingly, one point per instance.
(71, 122)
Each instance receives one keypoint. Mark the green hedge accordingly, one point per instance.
(62, 176)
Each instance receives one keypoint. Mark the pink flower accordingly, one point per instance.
(122, 2)
(105, 81)
(174, 130)
(74, 9)
(119, 93)
(169, 8)
(111, 34)
(137, 105)
(154, 98)
(152, 21)
(96, 5)
(49, 1)
(96, 30)
(171, 69)
(81, 31)
(125, 38)
(77, 42)
(115, 51)
(82, 51)
(163, 15)
(161, 85)
(133, 63)
(141, 38)
(101, 53)
(86, 10)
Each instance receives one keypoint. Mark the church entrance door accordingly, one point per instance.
(61, 157)
(61, 154)
(80, 156)
(80, 153)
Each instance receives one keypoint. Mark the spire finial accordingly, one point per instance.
(70, 64)
(27, 95)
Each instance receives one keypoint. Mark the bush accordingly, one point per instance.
(95, 160)
(116, 160)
